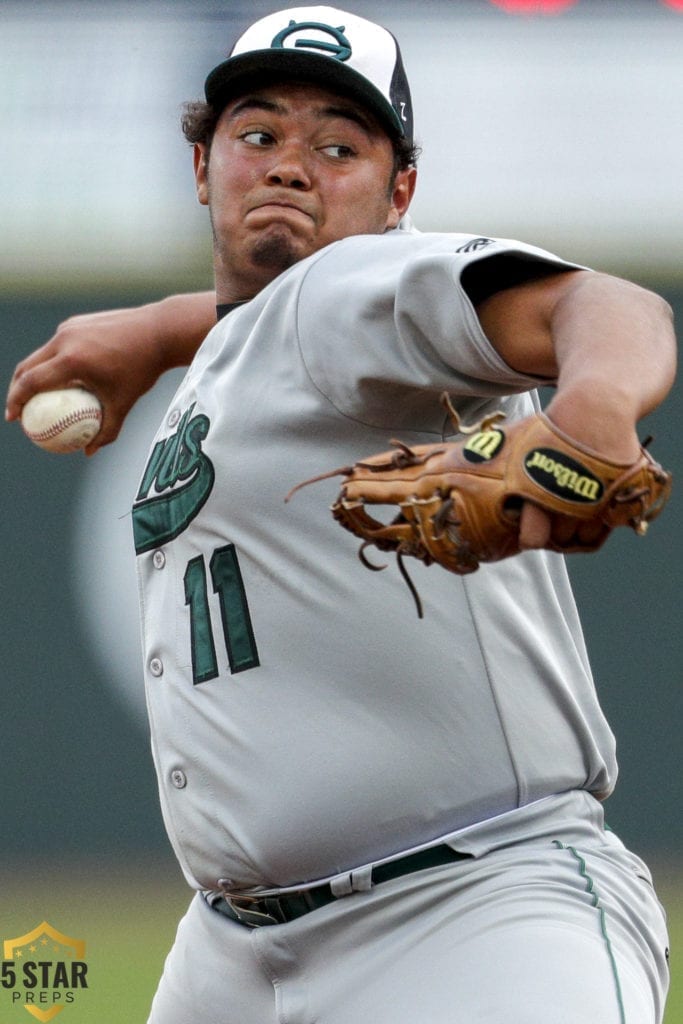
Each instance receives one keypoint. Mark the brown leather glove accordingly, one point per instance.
(458, 503)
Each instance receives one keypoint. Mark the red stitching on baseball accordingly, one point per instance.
(66, 421)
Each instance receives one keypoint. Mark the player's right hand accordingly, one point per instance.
(117, 355)
(114, 354)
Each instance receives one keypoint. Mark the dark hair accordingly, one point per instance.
(199, 121)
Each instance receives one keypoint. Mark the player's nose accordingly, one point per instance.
(290, 168)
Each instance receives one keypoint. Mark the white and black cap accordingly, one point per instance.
(337, 50)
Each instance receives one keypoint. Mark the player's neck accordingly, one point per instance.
(241, 280)
(231, 289)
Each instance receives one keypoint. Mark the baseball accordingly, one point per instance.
(62, 421)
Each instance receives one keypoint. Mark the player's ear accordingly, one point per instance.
(201, 166)
(402, 193)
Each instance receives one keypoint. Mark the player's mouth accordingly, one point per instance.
(275, 207)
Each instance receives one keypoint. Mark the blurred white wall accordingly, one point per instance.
(565, 131)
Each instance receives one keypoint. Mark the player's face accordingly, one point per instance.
(292, 168)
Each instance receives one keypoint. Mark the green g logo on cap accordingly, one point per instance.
(339, 50)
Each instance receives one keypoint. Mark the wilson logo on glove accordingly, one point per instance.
(458, 503)
(484, 445)
(559, 474)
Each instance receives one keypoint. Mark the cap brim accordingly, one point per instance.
(258, 67)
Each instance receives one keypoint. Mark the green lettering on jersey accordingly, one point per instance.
(182, 478)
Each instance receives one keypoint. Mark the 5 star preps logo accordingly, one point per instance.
(43, 971)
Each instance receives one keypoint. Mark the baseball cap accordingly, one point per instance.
(337, 50)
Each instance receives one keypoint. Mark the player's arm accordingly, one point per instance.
(608, 344)
(117, 354)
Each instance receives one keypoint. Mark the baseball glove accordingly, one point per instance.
(459, 502)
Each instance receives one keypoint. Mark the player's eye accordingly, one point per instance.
(339, 151)
(257, 138)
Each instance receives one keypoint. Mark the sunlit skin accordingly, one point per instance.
(292, 168)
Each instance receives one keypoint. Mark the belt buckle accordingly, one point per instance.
(245, 909)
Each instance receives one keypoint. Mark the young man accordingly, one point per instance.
(385, 819)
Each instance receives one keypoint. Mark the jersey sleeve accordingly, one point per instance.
(404, 326)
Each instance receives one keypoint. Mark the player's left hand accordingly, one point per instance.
(501, 489)
(591, 420)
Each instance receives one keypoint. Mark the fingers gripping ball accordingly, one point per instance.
(62, 421)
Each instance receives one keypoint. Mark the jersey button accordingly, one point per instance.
(174, 417)
(156, 667)
(178, 778)
(158, 559)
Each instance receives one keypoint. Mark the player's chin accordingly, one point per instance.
(279, 248)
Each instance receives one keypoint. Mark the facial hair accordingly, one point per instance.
(271, 254)
(274, 251)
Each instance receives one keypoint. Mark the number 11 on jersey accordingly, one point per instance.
(238, 635)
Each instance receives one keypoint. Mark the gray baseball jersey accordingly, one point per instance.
(304, 720)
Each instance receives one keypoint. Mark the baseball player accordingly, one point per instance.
(383, 818)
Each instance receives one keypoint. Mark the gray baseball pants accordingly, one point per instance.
(563, 928)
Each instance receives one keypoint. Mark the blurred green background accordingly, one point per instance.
(97, 210)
